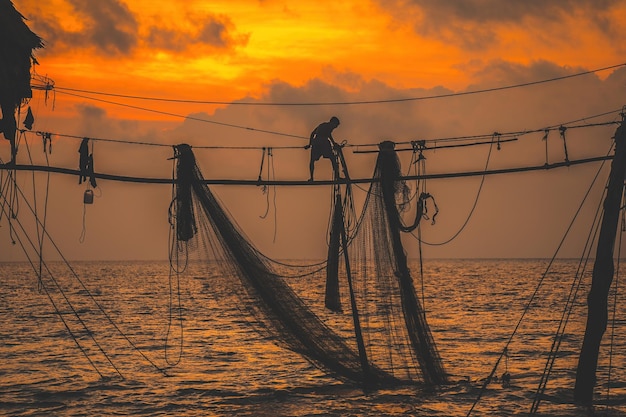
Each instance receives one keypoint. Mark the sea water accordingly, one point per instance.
(133, 338)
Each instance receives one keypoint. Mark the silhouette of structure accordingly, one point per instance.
(603, 271)
(389, 329)
(17, 43)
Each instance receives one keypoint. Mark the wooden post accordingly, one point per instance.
(603, 269)
(365, 365)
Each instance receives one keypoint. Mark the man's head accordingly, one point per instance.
(334, 121)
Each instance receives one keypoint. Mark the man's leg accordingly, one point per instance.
(13, 150)
(311, 167)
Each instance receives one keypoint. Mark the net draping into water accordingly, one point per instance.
(383, 339)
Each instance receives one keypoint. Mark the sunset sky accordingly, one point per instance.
(269, 51)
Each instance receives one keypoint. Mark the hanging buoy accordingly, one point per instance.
(88, 197)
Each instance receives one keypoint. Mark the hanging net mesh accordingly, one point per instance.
(373, 330)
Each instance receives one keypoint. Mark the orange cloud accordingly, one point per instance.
(311, 52)
(228, 49)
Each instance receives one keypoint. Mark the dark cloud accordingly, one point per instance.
(109, 27)
(215, 32)
(502, 73)
(112, 29)
(494, 11)
(472, 22)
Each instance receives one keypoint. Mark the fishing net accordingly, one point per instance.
(381, 339)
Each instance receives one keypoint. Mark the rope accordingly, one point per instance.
(267, 189)
(40, 239)
(60, 315)
(567, 311)
(262, 161)
(174, 268)
(40, 235)
(176, 361)
(534, 294)
(83, 286)
(56, 309)
(545, 139)
(615, 298)
(70, 305)
(512, 136)
(83, 232)
(562, 130)
(471, 212)
(271, 160)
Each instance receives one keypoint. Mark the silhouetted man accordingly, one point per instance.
(322, 143)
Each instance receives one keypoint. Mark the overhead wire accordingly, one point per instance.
(67, 90)
(188, 117)
(513, 135)
(272, 132)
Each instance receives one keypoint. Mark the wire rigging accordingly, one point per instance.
(496, 139)
(177, 266)
(569, 306)
(269, 189)
(75, 313)
(504, 137)
(615, 295)
(471, 212)
(67, 90)
(188, 117)
(82, 284)
(57, 311)
(535, 292)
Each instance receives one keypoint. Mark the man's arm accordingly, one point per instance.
(311, 138)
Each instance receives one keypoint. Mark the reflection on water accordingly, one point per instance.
(227, 368)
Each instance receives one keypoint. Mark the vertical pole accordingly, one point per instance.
(365, 366)
(332, 299)
(339, 226)
(602, 277)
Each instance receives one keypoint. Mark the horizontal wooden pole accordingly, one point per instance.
(141, 180)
